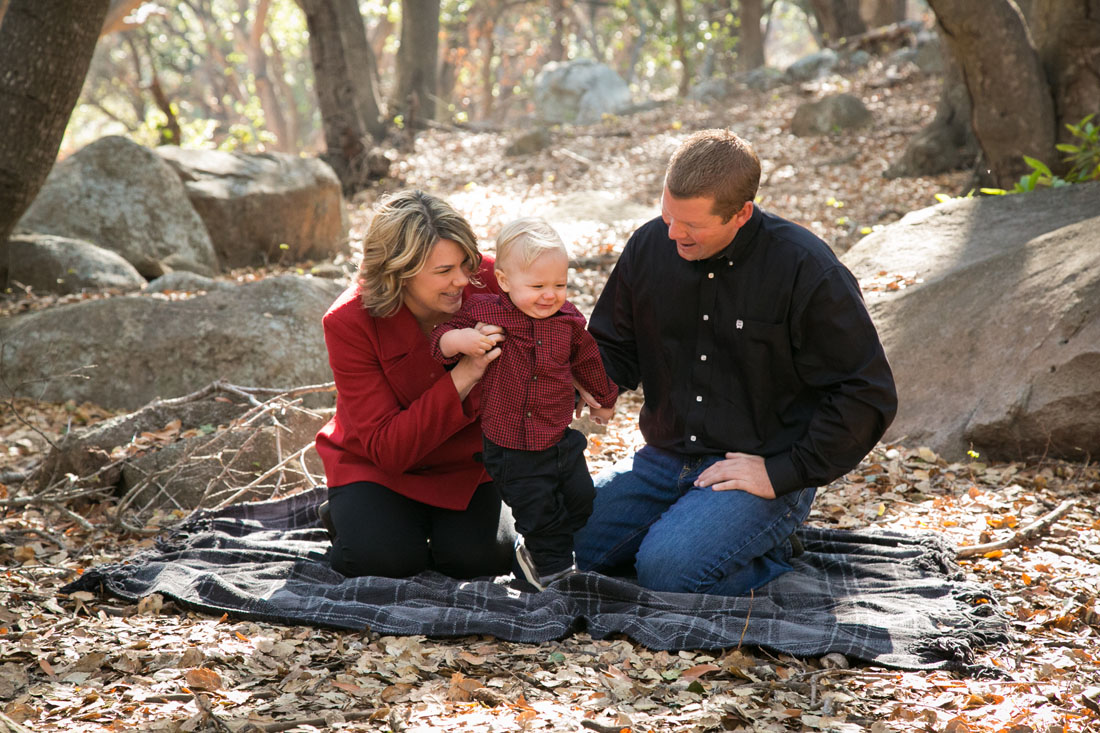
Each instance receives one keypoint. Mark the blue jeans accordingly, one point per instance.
(682, 538)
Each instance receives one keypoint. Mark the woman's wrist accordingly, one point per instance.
(463, 379)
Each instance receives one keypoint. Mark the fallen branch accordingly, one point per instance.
(1025, 534)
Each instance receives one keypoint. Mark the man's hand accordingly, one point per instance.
(738, 472)
(601, 415)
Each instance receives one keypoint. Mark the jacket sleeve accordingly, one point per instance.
(612, 326)
(394, 428)
(837, 352)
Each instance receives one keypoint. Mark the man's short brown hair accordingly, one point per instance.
(715, 164)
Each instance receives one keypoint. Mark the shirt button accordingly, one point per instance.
(710, 275)
(539, 342)
(528, 414)
(706, 318)
(535, 378)
(703, 357)
(698, 398)
(693, 439)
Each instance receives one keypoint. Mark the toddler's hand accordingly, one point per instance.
(473, 342)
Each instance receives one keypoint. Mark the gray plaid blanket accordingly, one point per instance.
(888, 598)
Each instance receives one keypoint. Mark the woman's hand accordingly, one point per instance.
(469, 370)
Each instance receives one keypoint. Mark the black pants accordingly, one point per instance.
(550, 492)
(381, 532)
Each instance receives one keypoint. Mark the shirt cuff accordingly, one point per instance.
(783, 475)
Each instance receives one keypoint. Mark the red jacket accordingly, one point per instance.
(398, 418)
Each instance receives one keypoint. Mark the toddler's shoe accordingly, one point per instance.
(531, 572)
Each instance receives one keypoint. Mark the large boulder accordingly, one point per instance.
(51, 264)
(830, 114)
(580, 91)
(123, 197)
(263, 208)
(813, 66)
(997, 343)
(137, 348)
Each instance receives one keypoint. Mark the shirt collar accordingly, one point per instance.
(743, 242)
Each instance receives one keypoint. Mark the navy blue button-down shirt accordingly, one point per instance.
(766, 348)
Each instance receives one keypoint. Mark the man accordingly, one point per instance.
(763, 378)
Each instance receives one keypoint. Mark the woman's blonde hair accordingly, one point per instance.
(405, 228)
(522, 241)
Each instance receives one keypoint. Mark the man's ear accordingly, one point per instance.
(744, 214)
(502, 279)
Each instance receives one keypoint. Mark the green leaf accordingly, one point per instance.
(1038, 165)
(696, 687)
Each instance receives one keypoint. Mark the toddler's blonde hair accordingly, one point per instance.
(524, 240)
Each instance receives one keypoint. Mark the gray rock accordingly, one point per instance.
(205, 469)
(830, 114)
(186, 282)
(530, 142)
(134, 349)
(53, 264)
(263, 208)
(999, 346)
(763, 79)
(929, 54)
(580, 92)
(710, 90)
(85, 451)
(858, 59)
(123, 197)
(813, 66)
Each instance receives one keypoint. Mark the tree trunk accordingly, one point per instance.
(557, 33)
(249, 40)
(681, 48)
(117, 14)
(1067, 35)
(877, 13)
(45, 49)
(1011, 106)
(838, 19)
(948, 142)
(342, 64)
(750, 52)
(416, 61)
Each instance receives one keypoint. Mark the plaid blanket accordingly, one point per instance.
(888, 598)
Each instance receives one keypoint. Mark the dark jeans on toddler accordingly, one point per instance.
(550, 492)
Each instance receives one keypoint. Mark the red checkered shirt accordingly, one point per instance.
(527, 397)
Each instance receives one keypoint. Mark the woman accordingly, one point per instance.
(407, 491)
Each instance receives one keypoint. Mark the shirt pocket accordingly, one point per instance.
(764, 359)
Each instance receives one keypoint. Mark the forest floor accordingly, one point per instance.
(89, 663)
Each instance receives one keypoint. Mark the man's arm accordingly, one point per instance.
(838, 354)
(612, 325)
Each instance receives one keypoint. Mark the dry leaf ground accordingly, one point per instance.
(87, 663)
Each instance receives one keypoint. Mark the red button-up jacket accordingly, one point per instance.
(398, 418)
